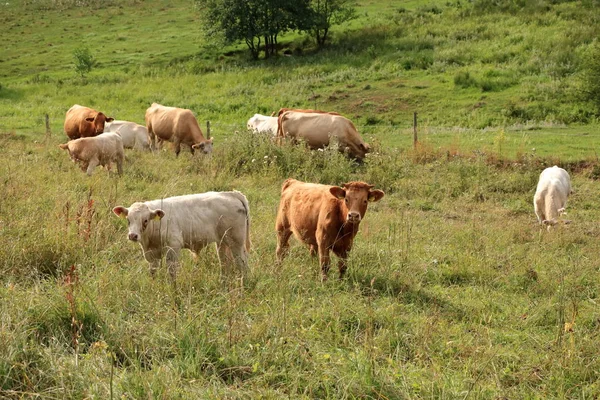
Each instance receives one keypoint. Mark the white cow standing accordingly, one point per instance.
(551, 195)
(135, 136)
(263, 124)
(163, 227)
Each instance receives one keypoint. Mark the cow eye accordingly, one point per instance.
(346, 200)
(364, 202)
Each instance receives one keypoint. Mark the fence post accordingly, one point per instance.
(207, 129)
(415, 140)
(48, 132)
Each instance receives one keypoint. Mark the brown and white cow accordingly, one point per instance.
(163, 227)
(177, 125)
(90, 152)
(317, 130)
(324, 217)
(82, 121)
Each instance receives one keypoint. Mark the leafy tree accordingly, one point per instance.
(326, 13)
(252, 21)
(590, 77)
(84, 61)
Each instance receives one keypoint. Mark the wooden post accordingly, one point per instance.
(48, 132)
(415, 140)
(207, 129)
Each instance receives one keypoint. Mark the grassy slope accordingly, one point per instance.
(453, 291)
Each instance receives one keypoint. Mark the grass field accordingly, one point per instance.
(453, 290)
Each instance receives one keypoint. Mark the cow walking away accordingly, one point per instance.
(83, 121)
(550, 199)
(326, 218)
(163, 227)
(89, 152)
(177, 125)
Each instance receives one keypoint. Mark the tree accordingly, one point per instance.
(326, 13)
(252, 21)
(84, 61)
(590, 77)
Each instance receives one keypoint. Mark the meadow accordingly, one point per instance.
(452, 291)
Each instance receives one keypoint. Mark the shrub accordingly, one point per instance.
(464, 80)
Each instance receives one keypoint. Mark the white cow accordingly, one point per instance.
(550, 197)
(164, 227)
(263, 124)
(90, 152)
(134, 136)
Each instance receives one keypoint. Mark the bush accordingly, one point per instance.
(590, 78)
(464, 80)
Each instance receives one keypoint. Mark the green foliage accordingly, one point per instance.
(590, 80)
(84, 61)
(327, 13)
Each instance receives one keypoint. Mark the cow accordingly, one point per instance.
(82, 121)
(317, 129)
(263, 124)
(550, 198)
(323, 217)
(163, 227)
(177, 125)
(134, 136)
(90, 152)
(280, 133)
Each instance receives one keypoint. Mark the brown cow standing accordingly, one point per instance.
(282, 110)
(82, 121)
(177, 125)
(324, 217)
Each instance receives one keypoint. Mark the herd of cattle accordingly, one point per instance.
(326, 218)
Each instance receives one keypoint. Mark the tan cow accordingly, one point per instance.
(324, 217)
(177, 125)
(98, 150)
(317, 129)
(82, 121)
(283, 110)
(550, 199)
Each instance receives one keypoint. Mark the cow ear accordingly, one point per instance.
(157, 214)
(90, 119)
(210, 140)
(110, 119)
(375, 195)
(337, 192)
(63, 146)
(121, 211)
(365, 147)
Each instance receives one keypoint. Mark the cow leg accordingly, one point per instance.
(283, 245)
(343, 256)
(324, 261)
(313, 250)
(153, 257)
(120, 165)
(538, 206)
(92, 165)
(172, 262)
(225, 258)
(177, 145)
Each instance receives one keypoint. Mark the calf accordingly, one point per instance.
(90, 152)
(164, 227)
(324, 217)
(550, 197)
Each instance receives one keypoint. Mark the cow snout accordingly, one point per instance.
(133, 236)
(353, 216)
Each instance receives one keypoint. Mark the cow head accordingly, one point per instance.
(205, 146)
(139, 216)
(356, 196)
(98, 121)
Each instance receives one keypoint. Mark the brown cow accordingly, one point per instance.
(177, 125)
(324, 217)
(82, 121)
(282, 110)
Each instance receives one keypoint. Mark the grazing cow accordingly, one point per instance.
(316, 129)
(550, 197)
(134, 136)
(177, 125)
(164, 227)
(84, 122)
(263, 124)
(90, 152)
(283, 110)
(324, 217)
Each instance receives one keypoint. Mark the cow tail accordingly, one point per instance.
(244, 202)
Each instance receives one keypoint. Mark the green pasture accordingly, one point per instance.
(453, 290)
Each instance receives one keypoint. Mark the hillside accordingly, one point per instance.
(453, 289)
